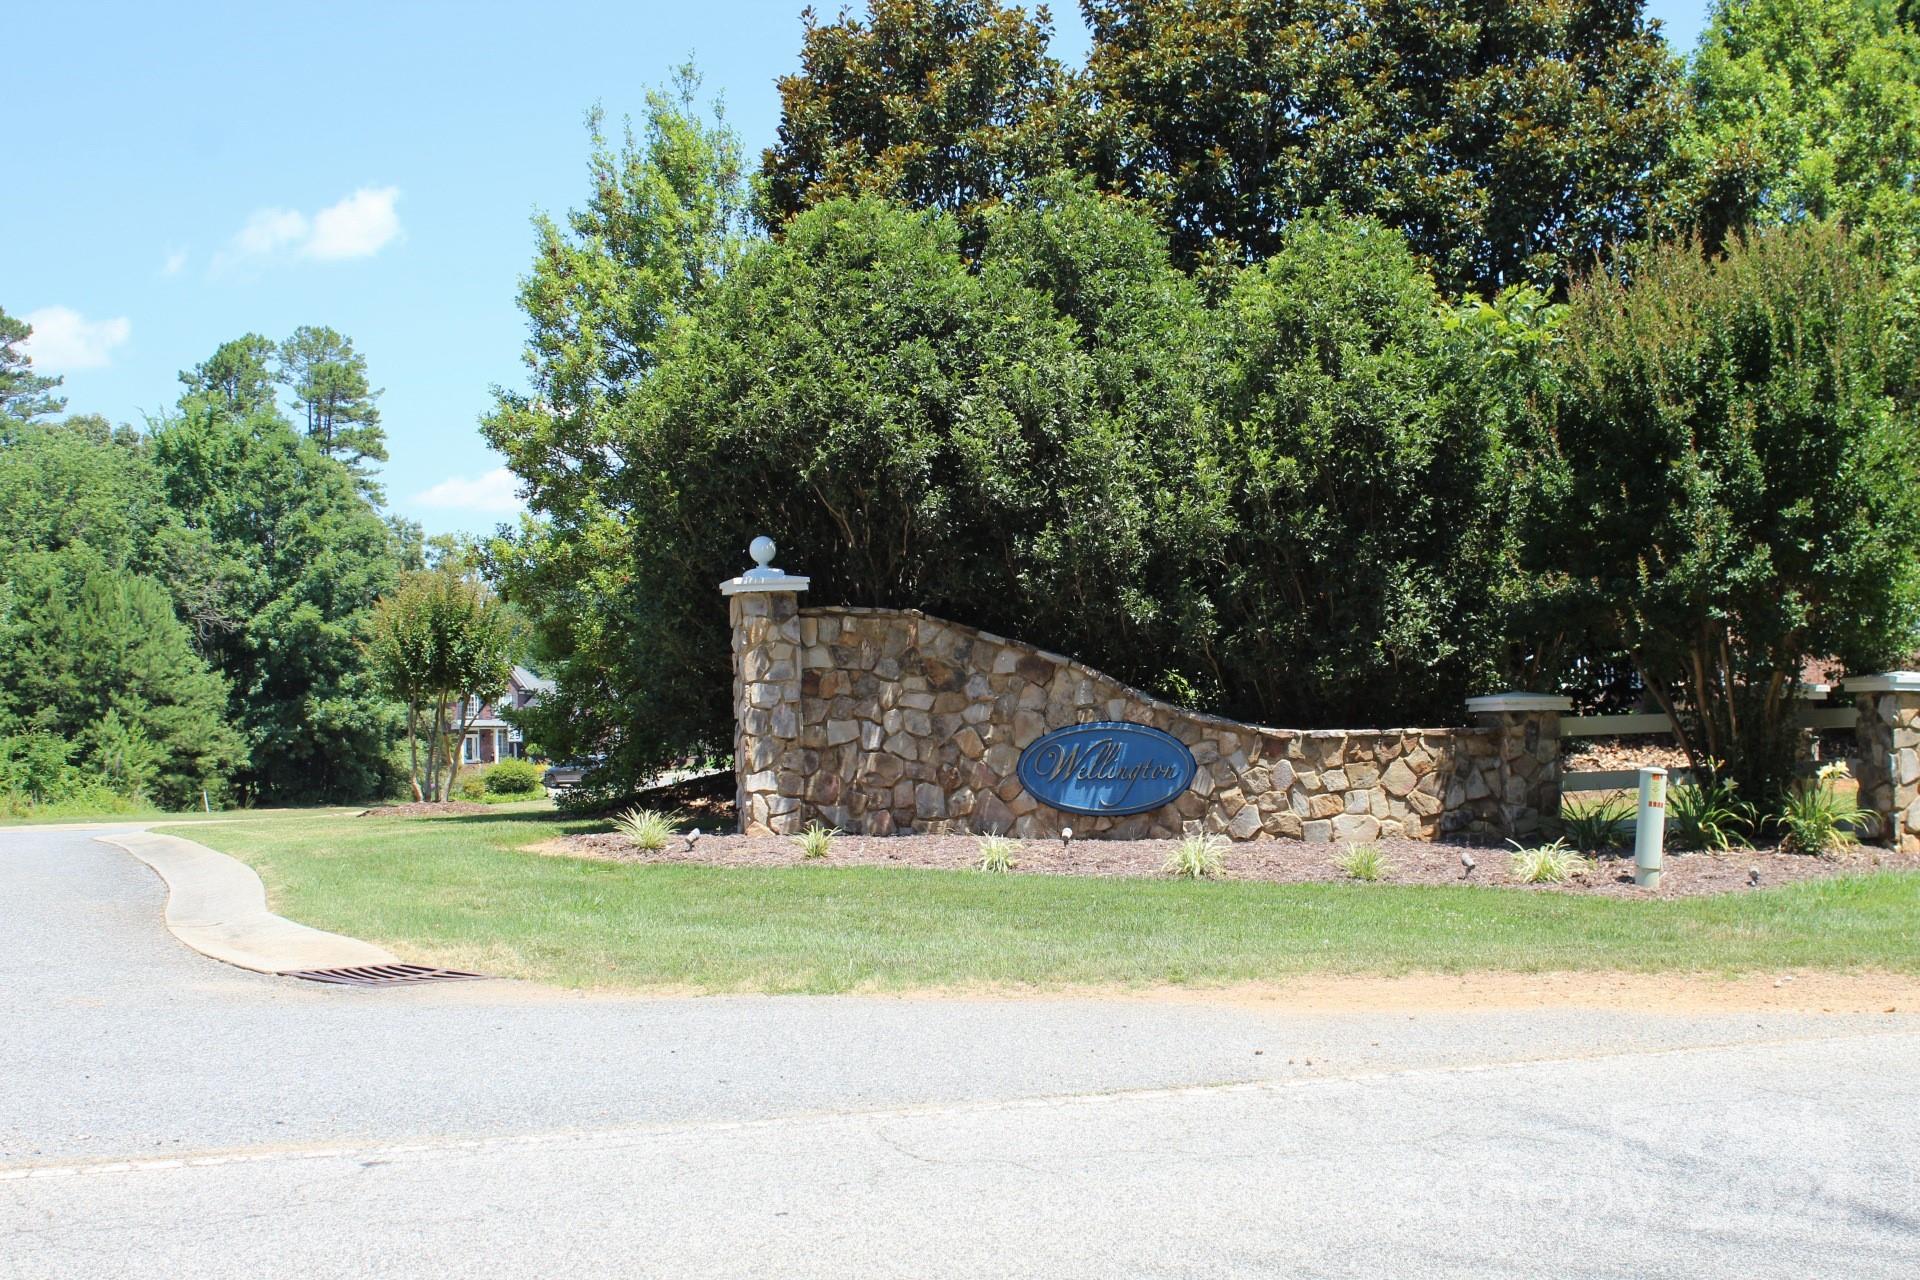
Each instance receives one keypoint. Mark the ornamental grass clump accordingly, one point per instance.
(1545, 864)
(997, 854)
(1596, 824)
(1708, 816)
(646, 829)
(1364, 862)
(816, 841)
(1815, 817)
(1197, 858)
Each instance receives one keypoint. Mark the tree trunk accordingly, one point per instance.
(413, 749)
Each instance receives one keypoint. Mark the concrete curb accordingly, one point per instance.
(217, 906)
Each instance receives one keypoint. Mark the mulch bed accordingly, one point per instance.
(425, 809)
(1280, 861)
(1607, 754)
(706, 801)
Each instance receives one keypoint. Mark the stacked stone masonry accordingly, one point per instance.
(1889, 764)
(881, 721)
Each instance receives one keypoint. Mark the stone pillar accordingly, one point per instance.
(1888, 738)
(1526, 733)
(763, 604)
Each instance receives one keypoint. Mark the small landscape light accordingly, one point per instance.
(1467, 864)
(1066, 835)
(1753, 877)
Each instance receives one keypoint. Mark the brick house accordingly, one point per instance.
(490, 737)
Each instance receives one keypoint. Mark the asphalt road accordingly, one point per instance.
(161, 1114)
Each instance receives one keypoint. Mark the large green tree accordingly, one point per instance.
(240, 377)
(943, 104)
(24, 394)
(328, 381)
(1025, 436)
(304, 555)
(1726, 482)
(665, 216)
(1510, 141)
(82, 483)
(1806, 110)
(94, 656)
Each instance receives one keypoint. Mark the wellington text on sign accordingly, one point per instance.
(1107, 767)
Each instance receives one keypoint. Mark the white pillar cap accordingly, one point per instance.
(1516, 701)
(763, 576)
(1885, 682)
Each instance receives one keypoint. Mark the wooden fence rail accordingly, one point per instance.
(1812, 715)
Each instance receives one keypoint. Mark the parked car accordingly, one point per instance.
(567, 773)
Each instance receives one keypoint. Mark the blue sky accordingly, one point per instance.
(186, 173)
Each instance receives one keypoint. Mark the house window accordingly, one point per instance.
(469, 748)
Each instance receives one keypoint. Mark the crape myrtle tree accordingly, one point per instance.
(941, 104)
(1726, 482)
(441, 644)
(1509, 141)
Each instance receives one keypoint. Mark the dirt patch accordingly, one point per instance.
(1277, 861)
(424, 809)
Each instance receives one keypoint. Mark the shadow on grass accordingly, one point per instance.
(573, 823)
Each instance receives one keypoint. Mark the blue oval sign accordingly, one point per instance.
(1108, 767)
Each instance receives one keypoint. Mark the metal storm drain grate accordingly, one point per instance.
(382, 975)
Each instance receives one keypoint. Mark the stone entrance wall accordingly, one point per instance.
(1888, 733)
(879, 721)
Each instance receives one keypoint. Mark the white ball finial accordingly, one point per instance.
(762, 550)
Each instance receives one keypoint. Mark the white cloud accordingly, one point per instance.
(358, 226)
(64, 340)
(270, 230)
(176, 263)
(494, 493)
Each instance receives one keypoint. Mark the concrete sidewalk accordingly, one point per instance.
(217, 906)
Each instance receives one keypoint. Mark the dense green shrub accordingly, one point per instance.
(1285, 508)
(1728, 483)
(512, 778)
(1367, 485)
(39, 778)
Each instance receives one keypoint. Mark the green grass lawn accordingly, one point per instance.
(455, 891)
